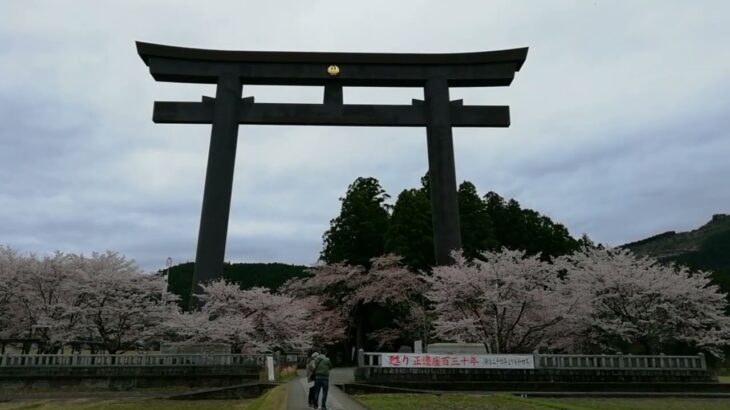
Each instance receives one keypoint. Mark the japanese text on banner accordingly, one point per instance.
(458, 361)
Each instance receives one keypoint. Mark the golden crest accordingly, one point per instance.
(333, 70)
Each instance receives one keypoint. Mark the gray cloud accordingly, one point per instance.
(620, 120)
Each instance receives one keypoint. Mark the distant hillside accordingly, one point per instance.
(706, 248)
(247, 275)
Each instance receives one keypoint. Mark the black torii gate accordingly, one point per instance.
(231, 69)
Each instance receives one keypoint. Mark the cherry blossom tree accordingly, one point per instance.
(333, 286)
(394, 286)
(10, 263)
(45, 299)
(510, 302)
(276, 321)
(252, 320)
(200, 327)
(122, 306)
(327, 325)
(348, 290)
(63, 298)
(629, 300)
(190, 327)
(104, 298)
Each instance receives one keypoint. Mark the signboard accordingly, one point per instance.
(457, 361)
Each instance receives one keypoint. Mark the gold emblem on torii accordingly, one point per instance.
(333, 70)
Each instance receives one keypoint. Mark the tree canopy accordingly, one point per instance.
(364, 229)
(410, 232)
(357, 234)
(477, 228)
(526, 229)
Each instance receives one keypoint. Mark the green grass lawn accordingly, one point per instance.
(94, 404)
(274, 399)
(724, 379)
(506, 402)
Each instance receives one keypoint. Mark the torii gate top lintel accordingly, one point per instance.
(480, 69)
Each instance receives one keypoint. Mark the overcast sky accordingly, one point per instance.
(620, 120)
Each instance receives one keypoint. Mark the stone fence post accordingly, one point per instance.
(703, 363)
(270, 368)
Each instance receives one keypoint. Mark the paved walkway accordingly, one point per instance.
(336, 398)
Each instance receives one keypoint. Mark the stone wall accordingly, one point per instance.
(126, 377)
(195, 348)
(544, 388)
(387, 375)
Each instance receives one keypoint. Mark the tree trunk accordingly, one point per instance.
(358, 317)
(346, 346)
(359, 334)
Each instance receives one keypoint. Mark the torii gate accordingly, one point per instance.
(231, 69)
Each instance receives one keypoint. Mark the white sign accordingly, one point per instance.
(457, 361)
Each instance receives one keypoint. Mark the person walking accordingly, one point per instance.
(312, 397)
(322, 367)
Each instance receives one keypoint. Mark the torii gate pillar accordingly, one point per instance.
(210, 255)
(441, 170)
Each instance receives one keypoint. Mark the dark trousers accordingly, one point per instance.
(322, 383)
(313, 396)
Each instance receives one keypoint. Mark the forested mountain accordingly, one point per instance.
(705, 248)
